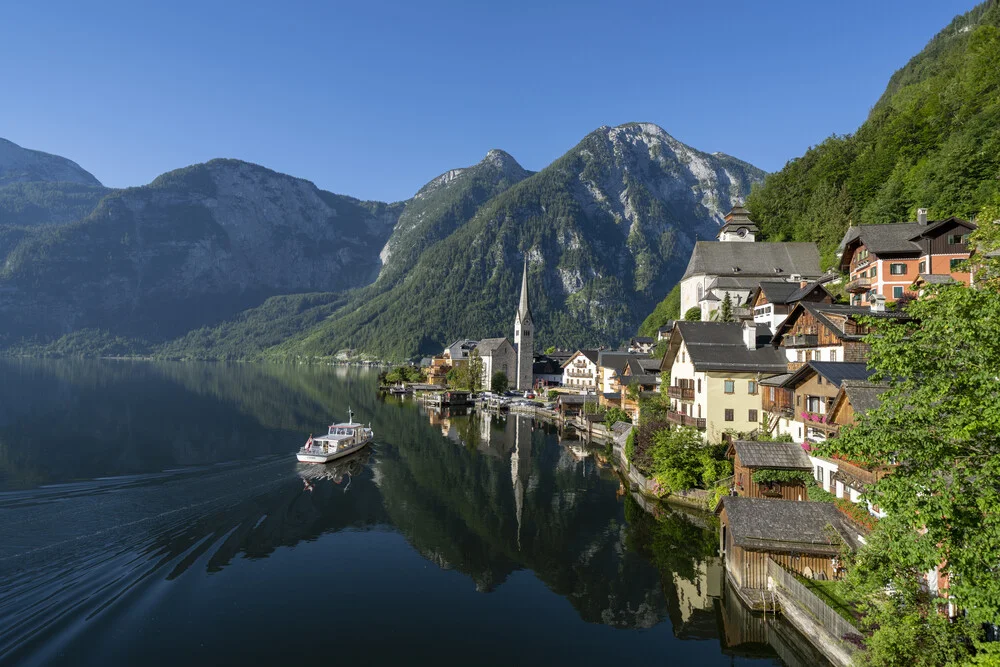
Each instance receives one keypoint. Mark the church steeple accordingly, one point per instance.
(523, 310)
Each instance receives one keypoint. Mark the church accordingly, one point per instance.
(515, 361)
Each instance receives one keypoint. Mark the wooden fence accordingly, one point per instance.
(824, 614)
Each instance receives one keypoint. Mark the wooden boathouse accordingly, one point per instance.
(781, 469)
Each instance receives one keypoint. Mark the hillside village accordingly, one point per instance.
(768, 364)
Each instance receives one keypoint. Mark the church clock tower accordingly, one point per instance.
(524, 332)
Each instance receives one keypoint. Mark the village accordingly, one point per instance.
(768, 363)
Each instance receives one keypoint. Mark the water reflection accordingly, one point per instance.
(179, 471)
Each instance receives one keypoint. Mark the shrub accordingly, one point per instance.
(693, 314)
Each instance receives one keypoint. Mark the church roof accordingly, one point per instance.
(753, 259)
(488, 346)
(523, 309)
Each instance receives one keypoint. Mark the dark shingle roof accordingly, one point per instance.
(489, 345)
(649, 365)
(590, 354)
(720, 346)
(787, 525)
(821, 310)
(643, 339)
(613, 359)
(775, 455)
(936, 278)
(834, 372)
(777, 380)
(763, 259)
(621, 427)
(637, 379)
(863, 395)
(778, 291)
(885, 239)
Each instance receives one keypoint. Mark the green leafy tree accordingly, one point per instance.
(676, 458)
(475, 371)
(666, 310)
(940, 422)
(693, 314)
(498, 383)
(615, 415)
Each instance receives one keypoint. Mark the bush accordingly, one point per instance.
(615, 415)
(498, 383)
(553, 394)
(693, 314)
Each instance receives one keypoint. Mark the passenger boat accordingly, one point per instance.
(342, 440)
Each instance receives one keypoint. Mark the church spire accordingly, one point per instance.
(523, 310)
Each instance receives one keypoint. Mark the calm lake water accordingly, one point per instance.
(154, 514)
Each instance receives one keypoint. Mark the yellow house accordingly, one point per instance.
(715, 372)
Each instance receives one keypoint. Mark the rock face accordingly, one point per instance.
(193, 247)
(607, 230)
(22, 165)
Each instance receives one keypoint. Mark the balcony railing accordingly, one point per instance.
(801, 340)
(682, 393)
(859, 285)
(574, 373)
(685, 420)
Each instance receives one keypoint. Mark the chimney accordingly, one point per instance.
(803, 283)
(878, 304)
(750, 335)
(922, 216)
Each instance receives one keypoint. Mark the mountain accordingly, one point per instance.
(38, 188)
(22, 165)
(931, 141)
(193, 247)
(607, 230)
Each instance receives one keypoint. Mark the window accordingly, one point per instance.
(772, 393)
(819, 378)
(897, 269)
(815, 404)
(682, 357)
(873, 272)
(800, 355)
(730, 387)
(751, 387)
(897, 292)
(819, 474)
(752, 416)
(729, 415)
(699, 385)
(833, 355)
(957, 239)
(955, 265)
(922, 267)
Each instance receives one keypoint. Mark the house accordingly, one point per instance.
(737, 262)
(772, 300)
(548, 372)
(715, 369)
(827, 332)
(805, 538)
(810, 392)
(580, 370)
(498, 355)
(639, 378)
(884, 259)
(752, 461)
(458, 352)
(641, 345)
(849, 479)
(664, 332)
(610, 364)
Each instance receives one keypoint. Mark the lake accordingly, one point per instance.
(154, 514)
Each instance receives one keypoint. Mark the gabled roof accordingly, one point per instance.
(615, 359)
(719, 346)
(760, 259)
(899, 238)
(637, 379)
(649, 365)
(831, 315)
(934, 278)
(591, 355)
(834, 372)
(772, 455)
(862, 395)
(787, 525)
(464, 343)
(488, 346)
(646, 340)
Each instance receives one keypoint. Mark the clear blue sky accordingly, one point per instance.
(373, 98)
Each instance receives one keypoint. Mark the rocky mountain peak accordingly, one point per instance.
(23, 165)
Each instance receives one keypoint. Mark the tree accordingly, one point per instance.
(666, 310)
(475, 371)
(693, 314)
(498, 383)
(550, 349)
(615, 415)
(676, 457)
(940, 422)
(726, 312)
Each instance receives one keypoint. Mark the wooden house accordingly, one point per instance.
(772, 300)
(750, 457)
(806, 538)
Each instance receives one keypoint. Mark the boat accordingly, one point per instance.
(341, 440)
(400, 390)
(348, 467)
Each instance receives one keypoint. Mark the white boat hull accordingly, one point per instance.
(317, 455)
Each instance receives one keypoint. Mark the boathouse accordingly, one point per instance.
(806, 538)
(770, 469)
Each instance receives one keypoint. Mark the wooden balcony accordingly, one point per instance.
(859, 285)
(682, 419)
(681, 393)
(801, 340)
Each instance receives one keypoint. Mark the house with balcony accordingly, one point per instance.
(884, 260)
(715, 372)
(738, 261)
(642, 345)
(610, 366)
(640, 377)
(772, 300)
(811, 390)
(580, 371)
(827, 332)
(753, 461)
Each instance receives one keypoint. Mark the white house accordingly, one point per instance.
(580, 370)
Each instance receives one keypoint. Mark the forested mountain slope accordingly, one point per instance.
(931, 141)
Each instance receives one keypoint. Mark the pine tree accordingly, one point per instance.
(727, 310)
